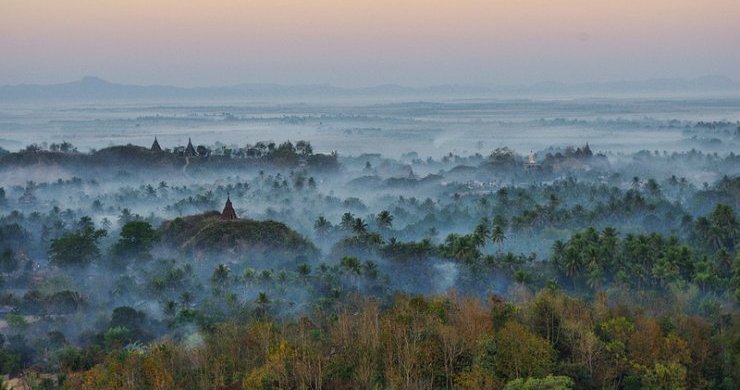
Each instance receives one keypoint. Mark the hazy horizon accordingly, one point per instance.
(351, 194)
(93, 78)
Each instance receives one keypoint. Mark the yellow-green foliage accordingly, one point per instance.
(552, 342)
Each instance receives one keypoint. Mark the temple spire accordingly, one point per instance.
(190, 150)
(155, 146)
(228, 213)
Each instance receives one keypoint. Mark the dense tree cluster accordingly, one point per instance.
(553, 341)
(583, 271)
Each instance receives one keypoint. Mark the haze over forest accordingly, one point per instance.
(369, 195)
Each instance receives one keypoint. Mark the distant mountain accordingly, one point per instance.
(88, 87)
(97, 88)
(94, 88)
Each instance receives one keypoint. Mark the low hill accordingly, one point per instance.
(134, 157)
(119, 156)
(209, 233)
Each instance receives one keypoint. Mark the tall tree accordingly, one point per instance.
(76, 248)
(384, 219)
(136, 240)
(359, 226)
(322, 226)
(498, 236)
(347, 220)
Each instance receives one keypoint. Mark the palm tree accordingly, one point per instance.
(723, 217)
(664, 270)
(463, 248)
(521, 280)
(481, 233)
(384, 219)
(571, 263)
(592, 254)
(370, 268)
(716, 237)
(359, 226)
(704, 273)
(221, 274)
(724, 261)
(352, 266)
(158, 286)
(170, 308)
(266, 276)
(85, 223)
(347, 220)
(702, 227)
(594, 276)
(503, 197)
(322, 226)
(609, 234)
(282, 278)
(558, 249)
(500, 220)
(687, 222)
(521, 277)
(304, 270)
(498, 237)
(608, 245)
(249, 275)
(186, 298)
(653, 187)
(262, 302)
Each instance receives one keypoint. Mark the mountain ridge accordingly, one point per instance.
(99, 88)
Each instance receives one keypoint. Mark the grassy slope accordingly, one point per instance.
(208, 233)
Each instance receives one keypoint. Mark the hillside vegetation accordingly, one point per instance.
(207, 232)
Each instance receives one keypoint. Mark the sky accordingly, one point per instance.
(366, 42)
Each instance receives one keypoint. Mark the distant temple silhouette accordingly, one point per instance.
(228, 214)
(532, 161)
(27, 197)
(190, 150)
(155, 146)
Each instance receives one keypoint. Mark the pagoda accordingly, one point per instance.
(155, 146)
(531, 161)
(190, 150)
(228, 214)
(27, 197)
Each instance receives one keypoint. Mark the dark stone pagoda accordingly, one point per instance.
(155, 146)
(228, 214)
(190, 150)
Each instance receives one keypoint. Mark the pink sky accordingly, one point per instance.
(364, 42)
